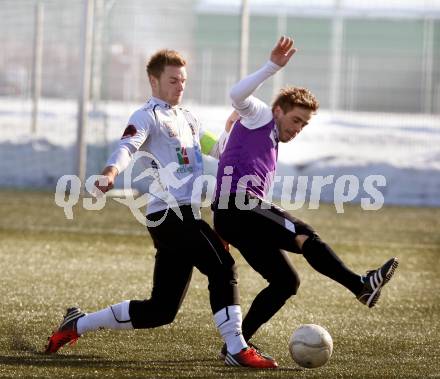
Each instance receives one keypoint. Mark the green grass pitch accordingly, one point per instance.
(103, 257)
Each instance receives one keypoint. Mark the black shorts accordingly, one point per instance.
(266, 225)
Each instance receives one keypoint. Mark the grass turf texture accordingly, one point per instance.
(103, 257)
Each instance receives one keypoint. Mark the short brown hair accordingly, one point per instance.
(156, 64)
(290, 97)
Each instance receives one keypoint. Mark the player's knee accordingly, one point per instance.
(287, 285)
(289, 289)
(310, 241)
(148, 314)
(226, 276)
(300, 240)
(163, 317)
(293, 285)
(167, 316)
(305, 238)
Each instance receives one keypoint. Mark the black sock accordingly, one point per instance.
(268, 302)
(324, 260)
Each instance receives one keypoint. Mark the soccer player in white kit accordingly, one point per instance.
(174, 139)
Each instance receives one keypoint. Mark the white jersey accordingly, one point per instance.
(173, 141)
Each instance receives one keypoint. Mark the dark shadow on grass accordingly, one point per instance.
(33, 356)
(76, 360)
(148, 367)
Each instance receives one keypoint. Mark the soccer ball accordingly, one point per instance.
(311, 346)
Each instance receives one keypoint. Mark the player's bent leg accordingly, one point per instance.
(283, 280)
(166, 298)
(268, 302)
(148, 314)
(171, 279)
(263, 308)
(211, 258)
(165, 301)
(218, 265)
(283, 283)
(256, 235)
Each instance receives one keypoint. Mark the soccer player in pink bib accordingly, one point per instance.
(262, 231)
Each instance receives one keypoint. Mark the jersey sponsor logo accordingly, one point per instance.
(182, 155)
(182, 158)
(129, 131)
(172, 132)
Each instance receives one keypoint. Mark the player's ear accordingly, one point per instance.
(154, 82)
(277, 111)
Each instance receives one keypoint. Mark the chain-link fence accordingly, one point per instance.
(356, 56)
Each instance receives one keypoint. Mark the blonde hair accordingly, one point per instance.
(290, 97)
(156, 64)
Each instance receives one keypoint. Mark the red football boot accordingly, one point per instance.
(249, 357)
(66, 333)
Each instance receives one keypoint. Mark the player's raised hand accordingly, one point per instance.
(283, 51)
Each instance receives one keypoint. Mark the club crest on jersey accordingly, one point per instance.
(129, 131)
(172, 132)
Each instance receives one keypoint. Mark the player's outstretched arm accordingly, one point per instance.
(253, 111)
(283, 51)
(118, 162)
(280, 55)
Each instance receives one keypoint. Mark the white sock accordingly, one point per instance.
(114, 317)
(228, 321)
